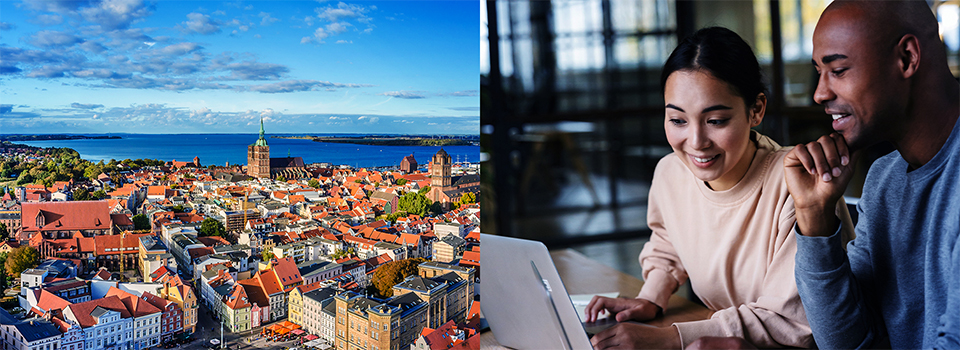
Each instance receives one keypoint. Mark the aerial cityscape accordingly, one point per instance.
(236, 175)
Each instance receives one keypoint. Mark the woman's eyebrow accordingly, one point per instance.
(715, 108)
(670, 105)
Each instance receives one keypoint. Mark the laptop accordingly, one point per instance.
(524, 300)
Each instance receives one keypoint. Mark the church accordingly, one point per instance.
(446, 188)
(260, 165)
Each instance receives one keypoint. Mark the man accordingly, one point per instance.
(883, 76)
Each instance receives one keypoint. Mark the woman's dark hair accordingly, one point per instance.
(724, 54)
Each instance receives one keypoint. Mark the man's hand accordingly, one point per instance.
(637, 336)
(625, 309)
(706, 343)
(817, 173)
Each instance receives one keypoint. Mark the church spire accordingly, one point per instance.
(261, 141)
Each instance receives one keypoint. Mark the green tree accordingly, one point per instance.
(281, 178)
(401, 182)
(3, 272)
(4, 232)
(141, 222)
(267, 255)
(424, 190)
(20, 259)
(212, 227)
(359, 181)
(99, 194)
(339, 254)
(393, 217)
(313, 183)
(81, 194)
(390, 274)
(414, 203)
(436, 208)
(468, 198)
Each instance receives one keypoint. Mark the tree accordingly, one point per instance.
(339, 254)
(267, 255)
(414, 203)
(141, 222)
(20, 259)
(359, 181)
(212, 227)
(313, 183)
(468, 198)
(424, 190)
(390, 274)
(3, 231)
(99, 194)
(281, 178)
(401, 182)
(81, 194)
(436, 208)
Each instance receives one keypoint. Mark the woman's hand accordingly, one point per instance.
(625, 309)
(637, 336)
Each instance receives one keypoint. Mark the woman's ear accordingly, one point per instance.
(758, 109)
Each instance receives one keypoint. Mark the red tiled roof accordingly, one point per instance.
(63, 216)
(255, 291)
(157, 301)
(287, 272)
(198, 252)
(237, 298)
(82, 310)
(135, 305)
(211, 241)
(121, 220)
(441, 338)
(471, 255)
(48, 301)
(156, 190)
(131, 244)
(104, 274)
(268, 280)
(160, 273)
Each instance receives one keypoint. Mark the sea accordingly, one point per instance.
(231, 149)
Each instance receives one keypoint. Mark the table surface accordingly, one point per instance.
(582, 275)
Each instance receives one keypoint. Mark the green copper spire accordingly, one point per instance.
(261, 141)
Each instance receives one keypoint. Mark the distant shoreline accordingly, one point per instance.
(388, 140)
(54, 137)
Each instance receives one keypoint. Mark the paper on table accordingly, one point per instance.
(580, 302)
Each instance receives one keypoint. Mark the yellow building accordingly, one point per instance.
(182, 294)
(236, 310)
(370, 324)
(431, 269)
(447, 295)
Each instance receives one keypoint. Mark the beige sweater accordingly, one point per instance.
(735, 246)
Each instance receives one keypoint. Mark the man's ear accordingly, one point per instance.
(908, 55)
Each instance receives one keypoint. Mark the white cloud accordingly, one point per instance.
(266, 19)
(404, 94)
(201, 24)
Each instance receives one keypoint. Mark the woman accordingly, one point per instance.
(718, 208)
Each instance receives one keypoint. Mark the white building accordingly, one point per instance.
(105, 322)
(30, 334)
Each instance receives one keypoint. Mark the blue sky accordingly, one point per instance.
(137, 66)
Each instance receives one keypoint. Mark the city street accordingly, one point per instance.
(209, 328)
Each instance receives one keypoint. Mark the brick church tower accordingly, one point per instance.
(440, 174)
(258, 157)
